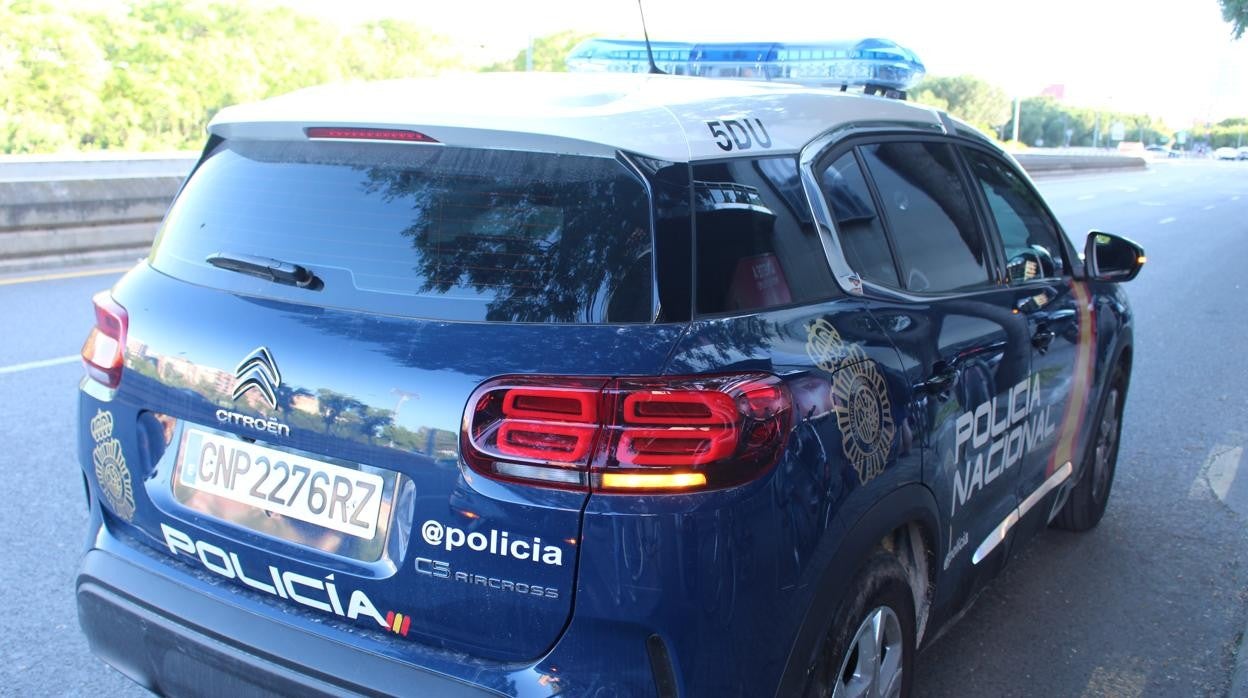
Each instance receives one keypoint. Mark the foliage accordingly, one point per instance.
(1235, 12)
(149, 74)
(549, 53)
(1231, 132)
(1043, 121)
(979, 103)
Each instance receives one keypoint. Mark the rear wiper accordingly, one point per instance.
(266, 268)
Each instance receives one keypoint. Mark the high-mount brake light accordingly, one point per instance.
(366, 134)
(874, 64)
(661, 434)
(103, 352)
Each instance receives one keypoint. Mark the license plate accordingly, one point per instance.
(338, 498)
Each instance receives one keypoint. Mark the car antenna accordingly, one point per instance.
(654, 69)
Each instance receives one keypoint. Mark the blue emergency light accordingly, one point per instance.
(868, 63)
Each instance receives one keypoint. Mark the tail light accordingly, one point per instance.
(103, 352)
(628, 434)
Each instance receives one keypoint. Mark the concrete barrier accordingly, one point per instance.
(59, 211)
(1048, 165)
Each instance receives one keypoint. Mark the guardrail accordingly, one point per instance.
(60, 211)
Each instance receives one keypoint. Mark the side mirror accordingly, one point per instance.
(1108, 257)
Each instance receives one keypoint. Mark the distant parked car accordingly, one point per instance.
(1243, 152)
(1228, 154)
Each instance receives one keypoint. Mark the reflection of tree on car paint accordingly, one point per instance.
(537, 252)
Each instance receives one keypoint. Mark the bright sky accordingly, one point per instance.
(1173, 58)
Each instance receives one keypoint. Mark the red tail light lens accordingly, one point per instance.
(566, 405)
(367, 134)
(628, 435)
(559, 443)
(103, 352)
(681, 407)
(534, 429)
(673, 447)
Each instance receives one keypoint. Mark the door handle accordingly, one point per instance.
(1043, 338)
(942, 378)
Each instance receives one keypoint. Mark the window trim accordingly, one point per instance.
(835, 144)
(1063, 241)
(626, 160)
(830, 158)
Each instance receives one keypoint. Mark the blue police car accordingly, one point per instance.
(601, 384)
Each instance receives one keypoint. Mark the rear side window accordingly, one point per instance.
(939, 245)
(1027, 232)
(427, 231)
(858, 224)
(756, 246)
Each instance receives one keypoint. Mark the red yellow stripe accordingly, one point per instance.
(398, 623)
(1081, 385)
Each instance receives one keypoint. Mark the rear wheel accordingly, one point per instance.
(1088, 500)
(869, 648)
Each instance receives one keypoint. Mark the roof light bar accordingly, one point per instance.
(869, 63)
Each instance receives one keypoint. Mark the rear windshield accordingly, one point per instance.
(426, 231)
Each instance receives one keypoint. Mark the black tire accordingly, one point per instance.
(1087, 502)
(880, 586)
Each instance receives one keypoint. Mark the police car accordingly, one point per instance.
(600, 384)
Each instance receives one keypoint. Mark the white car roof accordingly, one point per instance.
(659, 116)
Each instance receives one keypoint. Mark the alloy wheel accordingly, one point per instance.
(1106, 446)
(872, 665)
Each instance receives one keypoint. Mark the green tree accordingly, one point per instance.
(149, 74)
(1048, 122)
(1231, 132)
(1235, 12)
(975, 101)
(52, 72)
(549, 53)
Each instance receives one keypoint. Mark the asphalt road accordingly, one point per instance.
(1153, 602)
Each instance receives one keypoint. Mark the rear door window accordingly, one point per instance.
(756, 244)
(939, 245)
(426, 231)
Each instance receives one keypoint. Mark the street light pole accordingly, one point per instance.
(1018, 108)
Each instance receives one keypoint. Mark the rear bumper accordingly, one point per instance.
(176, 640)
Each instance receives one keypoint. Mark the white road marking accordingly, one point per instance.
(1235, 198)
(63, 275)
(18, 368)
(1167, 219)
(1222, 471)
(1151, 203)
(1210, 207)
(1217, 473)
(1085, 197)
(1129, 190)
